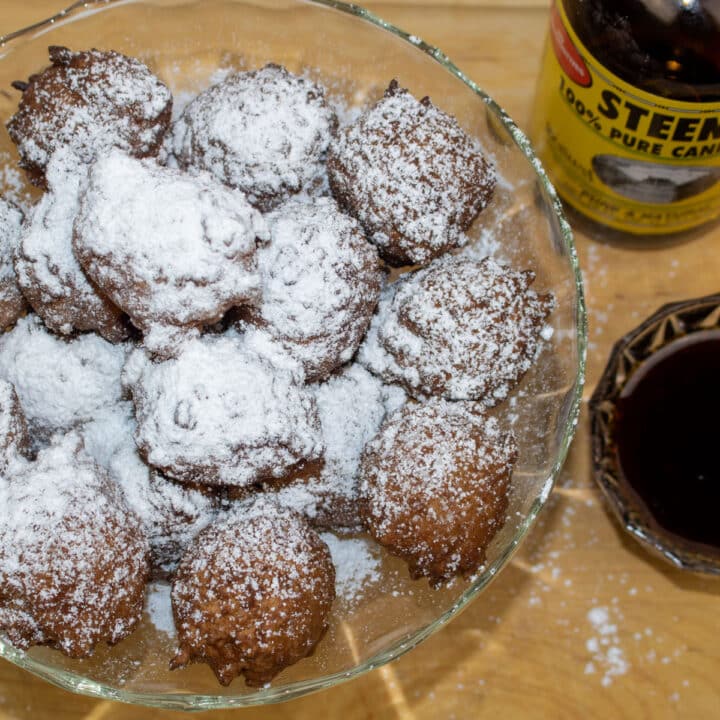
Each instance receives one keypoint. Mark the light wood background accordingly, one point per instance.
(583, 624)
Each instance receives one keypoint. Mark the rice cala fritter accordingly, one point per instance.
(208, 356)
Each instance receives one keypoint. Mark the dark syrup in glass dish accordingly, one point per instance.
(667, 437)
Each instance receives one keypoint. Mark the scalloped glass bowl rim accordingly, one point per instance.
(179, 701)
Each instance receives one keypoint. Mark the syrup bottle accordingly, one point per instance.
(627, 116)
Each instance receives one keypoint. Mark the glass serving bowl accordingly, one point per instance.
(355, 55)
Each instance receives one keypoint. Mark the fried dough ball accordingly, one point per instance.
(223, 413)
(89, 102)
(264, 132)
(47, 271)
(73, 558)
(14, 438)
(412, 177)
(12, 302)
(321, 283)
(172, 250)
(352, 406)
(434, 486)
(172, 514)
(61, 383)
(459, 328)
(252, 594)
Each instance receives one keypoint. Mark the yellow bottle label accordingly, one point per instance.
(626, 158)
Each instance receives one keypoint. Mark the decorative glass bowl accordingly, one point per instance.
(672, 324)
(355, 55)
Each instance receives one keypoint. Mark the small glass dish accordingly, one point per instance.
(355, 55)
(672, 325)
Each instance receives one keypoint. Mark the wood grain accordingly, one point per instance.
(528, 647)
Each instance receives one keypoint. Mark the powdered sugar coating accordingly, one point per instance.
(434, 486)
(89, 102)
(12, 301)
(73, 558)
(171, 514)
(353, 421)
(252, 594)
(47, 271)
(459, 328)
(352, 406)
(169, 248)
(320, 284)
(222, 413)
(60, 383)
(265, 132)
(357, 566)
(14, 439)
(412, 177)
(158, 607)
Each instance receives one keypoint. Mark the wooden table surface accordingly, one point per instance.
(583, 624)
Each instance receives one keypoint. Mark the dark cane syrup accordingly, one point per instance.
(667, 437)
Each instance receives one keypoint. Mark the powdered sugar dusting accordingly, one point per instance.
(275, 578)
(237, 407)
(13, 185)
(47, 270)
(357, 566)
(14, 440)
(351, 406)
(607, 655)
(321, 282)
(12, 301)
(412, 177)
(201, 260)
(46, 256)
(72, 558)
(90, 102)
(159, 608)
(10, 222)
(172, 514)
(222, 413)
(264, 132)
(60, 383)
(458, 328)
(434, 485)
